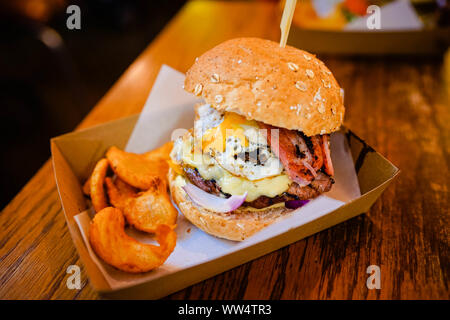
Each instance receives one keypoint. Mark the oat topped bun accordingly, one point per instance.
(284, 87)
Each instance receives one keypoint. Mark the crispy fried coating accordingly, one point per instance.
(144, 210)
(109, 240)
(162, 152)
(87, 187)
(124, 189)
(136, 169)
(97, 189)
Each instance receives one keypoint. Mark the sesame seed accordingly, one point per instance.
(239, 61)
(196, 59)
(198, 89)
(218, 98)
(321, 108)
(215, 78)
(322, 131)
(317, 96)
(326, 84)
(300, 85)
(306, 57)
(292, 66)
(310, 73)
(258, 103)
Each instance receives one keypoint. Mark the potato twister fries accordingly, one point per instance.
(136, 170)
(109, 240)
(140, 196)
(162, 153)
(97, 189)
(144, 210)
(87, 187)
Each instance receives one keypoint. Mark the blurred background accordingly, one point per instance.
(50, 76)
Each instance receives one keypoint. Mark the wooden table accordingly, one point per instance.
(399, 106)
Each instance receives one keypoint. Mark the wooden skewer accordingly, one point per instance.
(286, 20)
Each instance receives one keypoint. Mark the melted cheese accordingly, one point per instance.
(231, 184)
(175, 167)
(270, 187)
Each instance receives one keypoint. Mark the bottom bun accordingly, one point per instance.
(237, 225)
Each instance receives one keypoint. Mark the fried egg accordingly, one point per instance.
(235, 143)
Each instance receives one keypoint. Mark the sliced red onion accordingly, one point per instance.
(212, 202)
(310, 168)
(294, 204)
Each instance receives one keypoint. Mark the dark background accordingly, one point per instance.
(48, 86)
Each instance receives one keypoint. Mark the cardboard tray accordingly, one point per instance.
(421, 42)
(74, 153)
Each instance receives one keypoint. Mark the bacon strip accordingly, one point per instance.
(328, 165)
(317, 162)
(294, 154)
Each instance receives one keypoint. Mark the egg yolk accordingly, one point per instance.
(232, 125)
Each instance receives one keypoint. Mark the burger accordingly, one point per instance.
(260, 145)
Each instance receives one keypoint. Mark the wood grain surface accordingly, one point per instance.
(398, 105)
